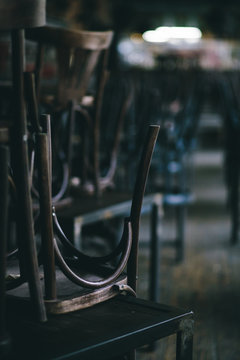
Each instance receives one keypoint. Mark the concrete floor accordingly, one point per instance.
(208, 280)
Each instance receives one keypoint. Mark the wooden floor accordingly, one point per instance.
(208, 281)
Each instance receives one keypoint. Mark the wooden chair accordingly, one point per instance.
(81, 71)
(180, 125)
(114, 327)
(173, 99)
(104, 280)
(15, 17)
(77, 206)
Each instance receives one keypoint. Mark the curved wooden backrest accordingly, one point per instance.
(77, 55)
(22, 14)
(59, 36)
(81, 62)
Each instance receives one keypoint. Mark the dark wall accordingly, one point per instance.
(216, 17)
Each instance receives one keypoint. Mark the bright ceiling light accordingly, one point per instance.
(172, 33)
(153, 36)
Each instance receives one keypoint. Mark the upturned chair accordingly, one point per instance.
(119, 323)
(73, 97)
(102, 278)
(15, 17)
(173, 99)
(180, 118)
(83, 178)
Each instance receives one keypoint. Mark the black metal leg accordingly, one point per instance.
(154, 281)
(131, 355)
(154, 293)
(234, 199)
(180, 231)
(184, 349)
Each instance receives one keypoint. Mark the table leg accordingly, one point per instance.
(185, 340)
(4, 338)
(154, 293)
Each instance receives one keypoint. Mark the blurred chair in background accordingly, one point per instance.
(174, 100)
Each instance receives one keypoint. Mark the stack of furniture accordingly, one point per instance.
(62, 303)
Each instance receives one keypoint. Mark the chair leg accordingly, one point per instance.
(155, 251)
(46, 216)
(27, 246)
(184, 349)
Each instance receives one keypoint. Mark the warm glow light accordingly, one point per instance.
(172, 33)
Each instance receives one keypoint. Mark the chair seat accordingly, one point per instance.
(103, 331)
(70, 297)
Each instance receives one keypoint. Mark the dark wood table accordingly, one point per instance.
(103, 331)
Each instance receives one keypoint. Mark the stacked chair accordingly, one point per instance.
(86, 103)
(173, 99)
(180, 117)
(62, 303)
(80, 57)
(15, 17)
